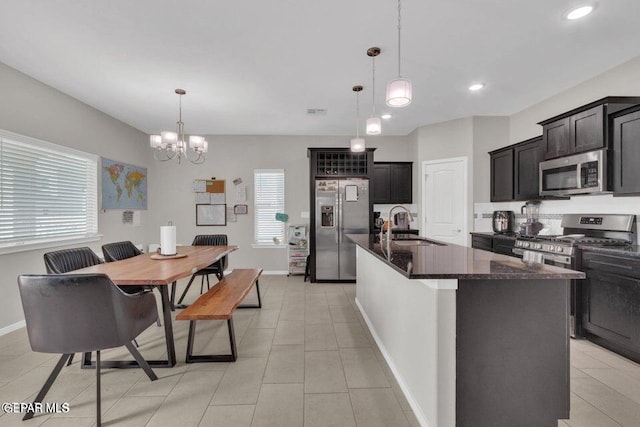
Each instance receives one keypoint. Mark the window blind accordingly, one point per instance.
(47, 192)
(269, 200)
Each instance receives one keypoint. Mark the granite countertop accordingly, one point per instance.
(448, 261)
(628, 251)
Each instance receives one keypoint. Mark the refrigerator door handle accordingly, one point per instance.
(340, 216)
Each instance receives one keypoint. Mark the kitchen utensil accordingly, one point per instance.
(503, 222)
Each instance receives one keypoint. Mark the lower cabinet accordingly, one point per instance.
(500, 244)
(482, 242)
(611, 307)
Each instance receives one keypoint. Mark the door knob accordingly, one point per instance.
(458, 230)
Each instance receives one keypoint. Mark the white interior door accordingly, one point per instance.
(445, 200)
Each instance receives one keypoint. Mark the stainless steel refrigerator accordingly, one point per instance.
(341, 207)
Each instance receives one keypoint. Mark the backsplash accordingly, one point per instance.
(551, 211)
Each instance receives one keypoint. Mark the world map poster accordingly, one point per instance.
(123, 186)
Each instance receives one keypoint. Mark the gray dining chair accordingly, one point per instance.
(70, 313)
(217, 268)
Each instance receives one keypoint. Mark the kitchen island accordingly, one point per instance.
(473, 338)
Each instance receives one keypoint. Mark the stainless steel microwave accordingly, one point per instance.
(578, 174)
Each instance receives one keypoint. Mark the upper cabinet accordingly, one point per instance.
(502, 175)
(526, 157)
(514, 171)
(626, 152)
(582, 129)
(392, 182)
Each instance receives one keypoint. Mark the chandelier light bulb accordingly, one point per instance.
(155, 141)
(579, 12)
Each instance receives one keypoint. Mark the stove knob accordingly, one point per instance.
(538, 246)
(526, 244)
(559, 249)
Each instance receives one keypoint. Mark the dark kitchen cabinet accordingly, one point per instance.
(582, 129)
(482, 242)
(611, 302)
(526, 157)
(502, 175)
(503, 245)
(392, 182)
(556, 139)
(626, 152)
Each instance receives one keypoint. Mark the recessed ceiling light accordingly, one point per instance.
(579, 12)
(386, 116)
(476, 86)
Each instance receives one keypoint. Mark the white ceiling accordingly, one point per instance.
(255, 66)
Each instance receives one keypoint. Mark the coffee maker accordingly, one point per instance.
(532, 226)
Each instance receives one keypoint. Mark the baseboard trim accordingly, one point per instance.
(12, 327)
(276, 272)
(417, 411)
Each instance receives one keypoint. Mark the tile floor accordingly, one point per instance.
(305, 359)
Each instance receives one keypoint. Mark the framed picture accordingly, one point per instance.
(241, 209)
(211, 214)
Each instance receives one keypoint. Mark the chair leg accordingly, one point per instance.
(201, 284)
(186, 289)
(208, 287)
(70, 360)
(141, 362)
(98, 398)
(135, 343)
(47, 385)
(174, 285)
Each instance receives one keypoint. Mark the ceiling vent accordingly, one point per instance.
(317, 111)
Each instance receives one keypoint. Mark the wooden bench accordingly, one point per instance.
(218, 303)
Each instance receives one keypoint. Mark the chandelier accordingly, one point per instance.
(374, 126)
(173, 145)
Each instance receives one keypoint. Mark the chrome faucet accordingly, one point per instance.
(391, 224)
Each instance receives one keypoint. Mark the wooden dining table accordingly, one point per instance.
(159, 273)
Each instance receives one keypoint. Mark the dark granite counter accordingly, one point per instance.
(447, 261)
(627, 251)
(511, 236)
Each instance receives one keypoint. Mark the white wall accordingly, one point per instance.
(33, 109)
(233, 157)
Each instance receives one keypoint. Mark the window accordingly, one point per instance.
(48, 193)
(269, 200)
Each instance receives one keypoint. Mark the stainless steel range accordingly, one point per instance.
(579, 231)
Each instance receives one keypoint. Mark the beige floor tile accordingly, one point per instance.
(316, 299)
(241, 382)
(68, 422)
(314, 314)
(411, 419)
(334, 409)
(350, 335)
(343, 314)
(15, 420)
(377, 407)
(293, 312)
(285, 365)
(133, 411)
(265, 318)
(279, 405)
(256, 343)
(337, 298)
(228, 416)
(585, 415)
(320, 336)
(362, 369)
(323, 372)
(289, 332)
(619, 381)
(188, 401)
(167, 380)
(613, 404)
(582, 360)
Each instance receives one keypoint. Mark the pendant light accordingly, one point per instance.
(374, 125)
(399, 89)
(357, 143)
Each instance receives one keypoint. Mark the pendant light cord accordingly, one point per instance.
(373, 88)
(357, 114)
(399, 74)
